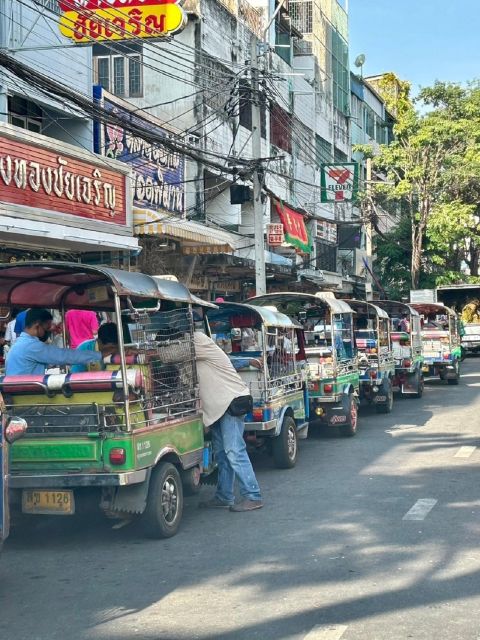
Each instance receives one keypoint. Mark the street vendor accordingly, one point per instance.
(30, 355)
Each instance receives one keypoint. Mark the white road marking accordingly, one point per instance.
(420, 509)
(332, 632)
(464, 452)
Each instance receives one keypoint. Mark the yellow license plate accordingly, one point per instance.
(425, 369)
(48, 502)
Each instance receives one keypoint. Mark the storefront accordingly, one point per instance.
(60, 201)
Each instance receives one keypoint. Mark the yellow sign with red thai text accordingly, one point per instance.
(107, 23)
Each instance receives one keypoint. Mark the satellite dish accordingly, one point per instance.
(360, 60)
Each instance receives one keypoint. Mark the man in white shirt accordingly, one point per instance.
(220, 389)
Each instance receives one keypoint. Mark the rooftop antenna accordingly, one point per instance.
(359, 62)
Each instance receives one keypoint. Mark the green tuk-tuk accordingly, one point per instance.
(128, 436)
(330, 353)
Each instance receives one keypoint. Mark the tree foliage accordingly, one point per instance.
(433, 167)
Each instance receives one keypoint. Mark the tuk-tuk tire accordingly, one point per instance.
(191, 481)
(456, 380)
(156, 523)
(420, 385)
(282, 445)
(350, 429)
(386, 407)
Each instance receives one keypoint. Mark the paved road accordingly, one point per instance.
(338, 551)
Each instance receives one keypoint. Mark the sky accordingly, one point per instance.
(420, 40)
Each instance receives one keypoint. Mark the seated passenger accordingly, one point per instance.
(31, 356)
(105, 342)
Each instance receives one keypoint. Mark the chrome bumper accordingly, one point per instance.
(65, 481)
(260, 426)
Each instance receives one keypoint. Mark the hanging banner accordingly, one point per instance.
(339, 182)
(101, 20)
(296, 232)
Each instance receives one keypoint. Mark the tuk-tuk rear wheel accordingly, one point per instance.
(285, 445)
(456, 380)
(163, 512)
(386, 407)
(350, 429)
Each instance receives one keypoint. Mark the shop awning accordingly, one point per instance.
(51, 236)
(293, 222)
(195, 238)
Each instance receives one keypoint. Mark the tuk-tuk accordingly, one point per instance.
(11, 429)
(406, 346)
(280, 396)
(128, 435)
(442, 352)
(330, 352)
(371, 328)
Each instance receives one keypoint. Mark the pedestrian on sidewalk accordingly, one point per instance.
(225, 400)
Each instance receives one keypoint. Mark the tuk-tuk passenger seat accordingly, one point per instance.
(69, 383)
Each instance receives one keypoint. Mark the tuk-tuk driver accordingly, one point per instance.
(30, 355)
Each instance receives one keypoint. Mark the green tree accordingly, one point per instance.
(433, 170)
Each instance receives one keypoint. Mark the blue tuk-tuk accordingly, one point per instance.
(10, 430)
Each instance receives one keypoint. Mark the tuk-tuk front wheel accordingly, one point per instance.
(350, 428)
(285, 445)
(163, 512)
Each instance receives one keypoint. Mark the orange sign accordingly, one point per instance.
(123, 22)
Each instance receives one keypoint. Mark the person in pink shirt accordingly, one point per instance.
(81, 326)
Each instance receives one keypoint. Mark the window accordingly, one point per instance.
(120, 70)
(341, 76)
(25, 114)
(340, 156)
(301, 13)
(280, 128)
(326, 257)
(245, 108)
(51, 5)
(324, 150)
(369, 122)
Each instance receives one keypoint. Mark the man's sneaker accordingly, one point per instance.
(247, 505)
(213, 503)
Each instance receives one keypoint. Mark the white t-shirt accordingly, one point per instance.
(10, 335)
(218, 381)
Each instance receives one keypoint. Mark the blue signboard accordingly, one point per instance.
(158, 173)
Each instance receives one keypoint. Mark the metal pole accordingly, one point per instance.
(368, 222)
(260, 275)
(123, 364)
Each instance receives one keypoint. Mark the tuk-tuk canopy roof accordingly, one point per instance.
(432, 307)
(263, 315)
(361, 306)
(392, 307)
(273, 299)
(74, 285)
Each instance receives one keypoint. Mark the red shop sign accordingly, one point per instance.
(41, 178)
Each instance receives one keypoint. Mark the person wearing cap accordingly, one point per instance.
(225, 400)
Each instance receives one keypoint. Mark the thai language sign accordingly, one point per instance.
(275, 234)
(327, 231)
(339, 182)
(158, 174)
(84, 21)
(294, 227)
(39, 177)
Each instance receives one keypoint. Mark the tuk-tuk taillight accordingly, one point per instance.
(407, 363)
(328, 388)
(446, 356)
(373, 374)
(117, 456)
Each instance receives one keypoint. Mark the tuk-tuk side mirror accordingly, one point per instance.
(16, 428)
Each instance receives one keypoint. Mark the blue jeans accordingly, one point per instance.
(232, 460)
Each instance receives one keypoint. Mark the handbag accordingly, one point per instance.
(240, 406)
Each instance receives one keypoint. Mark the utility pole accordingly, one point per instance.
(368, 222)
(260, 275)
